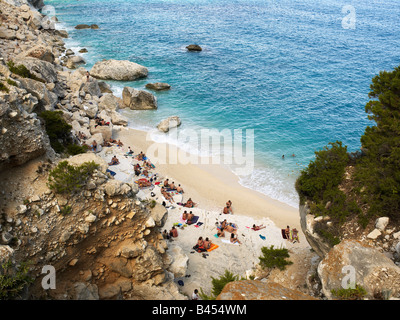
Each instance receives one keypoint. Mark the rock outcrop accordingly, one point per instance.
(194, 47)
(169, 123)
(158, 86)
(138, 99)
(372, 270)
(122, 70)
(307, 222)
(259, 290)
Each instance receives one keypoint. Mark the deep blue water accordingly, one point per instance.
(286, 69)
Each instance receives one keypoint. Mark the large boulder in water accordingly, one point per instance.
(158, 86)
(169, 123)
(194, 47)
(122, 70)
(138, 99)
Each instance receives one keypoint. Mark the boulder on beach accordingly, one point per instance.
(122, 70)
(74, 61)
(138, 99)
(169, 123)
(194, 47)
(158, 86)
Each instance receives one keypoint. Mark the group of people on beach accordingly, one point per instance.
(229, 227)
(202, 245)
(292, 235)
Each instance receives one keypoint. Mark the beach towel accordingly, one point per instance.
(216, 235)
(111, 172)
(262, 237)
(198, 224)
(227, 241)
(213, 247)
(194, 220)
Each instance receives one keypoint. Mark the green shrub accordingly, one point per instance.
(358, 293)
(324, 173)
(22, 71)
(13, 280)
(12, 82)
(68, 179)
(74, 149)
(3, 87)
(66, 210)
(218, 285)
(274, 258)
(57, 129)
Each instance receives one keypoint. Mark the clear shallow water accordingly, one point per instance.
(286, 69)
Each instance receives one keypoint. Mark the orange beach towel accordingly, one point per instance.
(213, 246)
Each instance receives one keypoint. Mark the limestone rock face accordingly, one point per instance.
(87, 157)
(180, 262)
(307, 222)
(138, 99)
(169, 123)
(22, 137)
(44, 70)
(373, 270)
(41, 53)
(258, 290)
(159, 214)
(122, 70)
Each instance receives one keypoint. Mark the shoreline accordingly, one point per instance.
(210, 186)
(215, 184)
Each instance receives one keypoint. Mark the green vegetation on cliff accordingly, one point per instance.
(68, 179)
(59, 132)
(373, 188)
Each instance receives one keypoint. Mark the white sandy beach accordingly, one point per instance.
(210, 186)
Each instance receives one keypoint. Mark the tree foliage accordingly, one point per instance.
(68, 179)
(274, 258)
(13, 280)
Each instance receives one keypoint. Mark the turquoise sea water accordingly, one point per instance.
(287, 69)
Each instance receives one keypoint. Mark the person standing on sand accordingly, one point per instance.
(195, 295)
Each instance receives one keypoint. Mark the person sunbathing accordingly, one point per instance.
(166, 195)
(207, 244)
(230, 229)
(114, 161)
(173, 232)
(172, 186)
(234, 239)
(226, 210)
(146, 173)
(256, 228)
(144, 183)
(166, 183)
(199, 247)
(295, 235)
(106, 144)
(189, 203)
(119, 143)
(179, 189)
(220, 233)
(130, 151)
(223, 224)
(190, 217)
(140, 156)
(185, 215)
